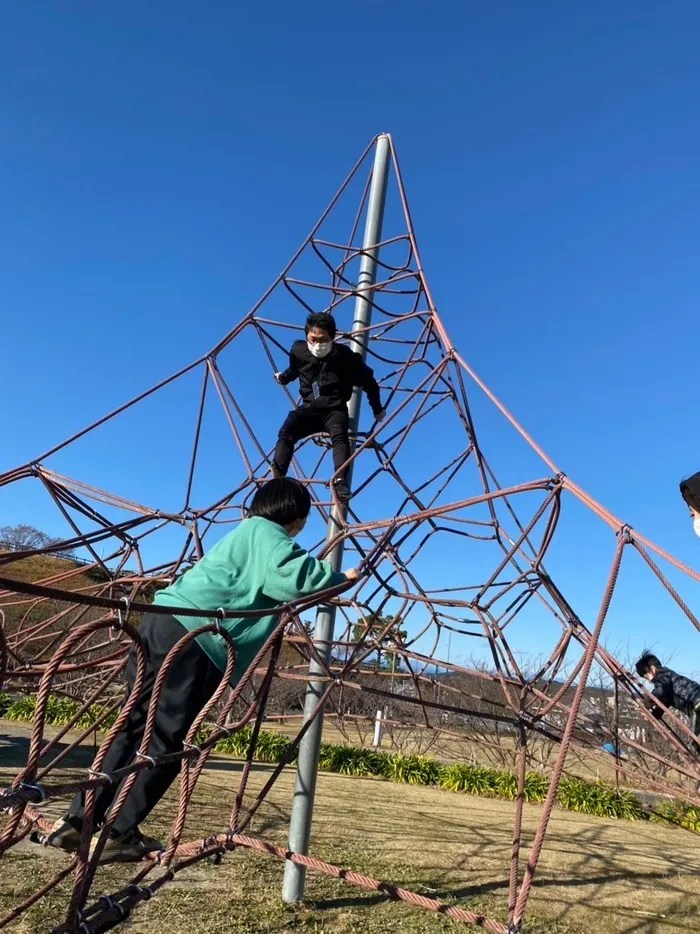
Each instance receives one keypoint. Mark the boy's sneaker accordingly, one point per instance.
(64, 834)
(342, 491)
(128, 847)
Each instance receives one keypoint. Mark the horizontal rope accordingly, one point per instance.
(123, 603)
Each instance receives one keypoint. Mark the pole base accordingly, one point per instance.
(294, 882)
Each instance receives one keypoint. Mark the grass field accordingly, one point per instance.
(608, 877)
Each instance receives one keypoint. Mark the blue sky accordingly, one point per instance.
(160, 162)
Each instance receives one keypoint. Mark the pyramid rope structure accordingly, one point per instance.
(425, 472)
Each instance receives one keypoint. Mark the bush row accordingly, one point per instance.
(59, 711)
(575, 794)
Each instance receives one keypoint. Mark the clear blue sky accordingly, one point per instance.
(159, 163)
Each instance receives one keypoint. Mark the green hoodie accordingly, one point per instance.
(257, 566)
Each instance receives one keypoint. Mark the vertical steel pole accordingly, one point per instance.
(307, 767)
(617, 734)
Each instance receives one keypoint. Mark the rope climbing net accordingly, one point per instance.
(457, 559)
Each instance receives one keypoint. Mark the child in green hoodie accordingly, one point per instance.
(257, 566)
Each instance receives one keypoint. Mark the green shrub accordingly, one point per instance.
(598, 799)
(93, 714)
(96, 711)
(236, 744)
(471, 779)
(21, 710)
(60, 710)
(5, 702)
(346, 760)
(412, 770)
(352, 760)
(271, 746)
(536, 787)
(505, 784)
(479, 780)
(203, 733)
(678, 813)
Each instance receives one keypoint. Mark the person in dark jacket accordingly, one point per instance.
(672, 689)
(327, 373)
(690, 491)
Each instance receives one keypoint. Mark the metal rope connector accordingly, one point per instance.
(106, 901)
(32, 788)
(152, 762)
(143, 890)
(625, 532)
(93, 773)
(122, 614)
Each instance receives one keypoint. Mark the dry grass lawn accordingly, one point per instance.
(602, 876)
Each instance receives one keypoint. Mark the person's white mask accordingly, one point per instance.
(320, 350)
(696, 525)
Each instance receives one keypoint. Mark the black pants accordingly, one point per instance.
(189, 684)
(300, 423)
(695, 727)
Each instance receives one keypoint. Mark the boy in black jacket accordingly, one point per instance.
(671, 689)
(690, 491)
(327, 373)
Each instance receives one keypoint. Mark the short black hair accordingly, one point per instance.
(690, 491)
(646, 662)
(281, 500)
(322, 320)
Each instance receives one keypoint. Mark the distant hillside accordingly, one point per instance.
(62, 573)
(40, 568)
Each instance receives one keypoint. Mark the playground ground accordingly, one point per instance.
(611, 877)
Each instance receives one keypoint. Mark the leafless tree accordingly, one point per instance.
(25, 538)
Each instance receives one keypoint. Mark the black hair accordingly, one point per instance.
(281, 500)
(647, 661)
(322, 320)
(690, 491)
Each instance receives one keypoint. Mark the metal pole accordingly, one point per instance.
(377, 729)
(617, 734)
(307, 766)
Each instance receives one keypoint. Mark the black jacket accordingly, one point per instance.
(674, 690)
(334, 377)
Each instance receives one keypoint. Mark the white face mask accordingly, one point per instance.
(320, 350)
(696, 525)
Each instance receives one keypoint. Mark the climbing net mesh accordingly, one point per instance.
(454, 573)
